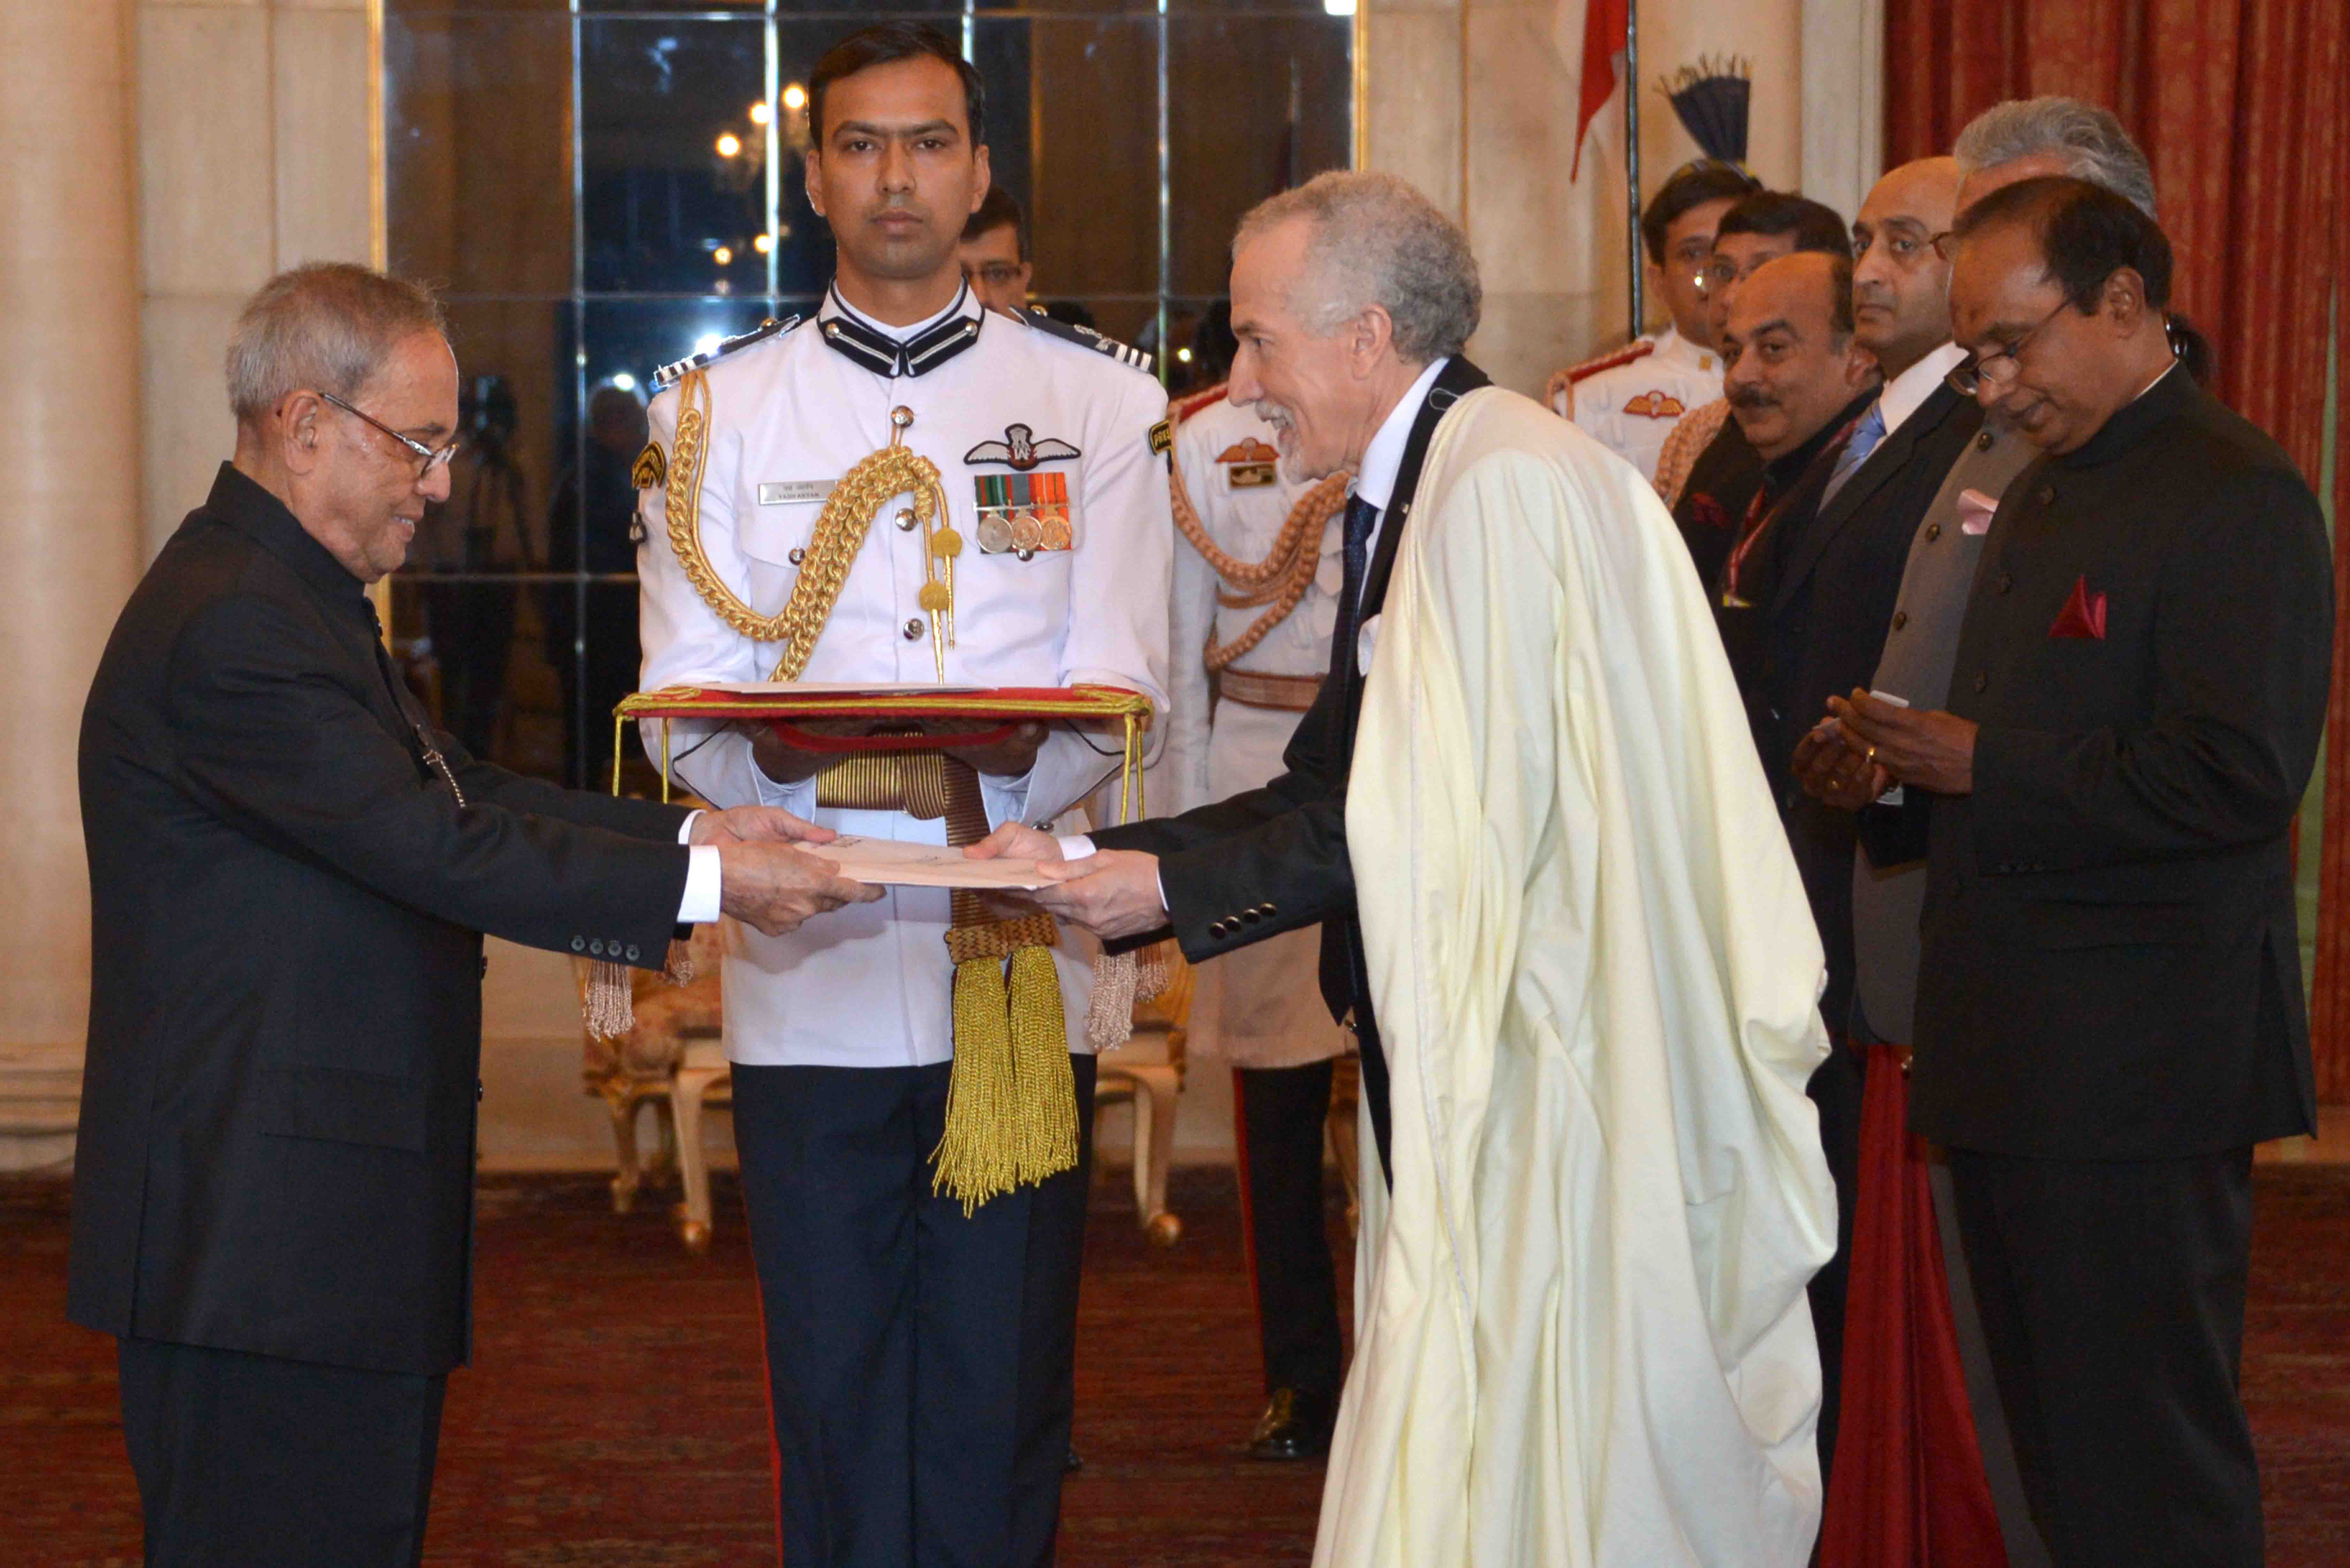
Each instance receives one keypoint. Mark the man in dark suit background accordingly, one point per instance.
(1354, 375)
(290, 873)
(2110, 1003)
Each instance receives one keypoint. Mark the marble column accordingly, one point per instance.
(70, 325)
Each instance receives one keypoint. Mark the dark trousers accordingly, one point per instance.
(921, 1365)
(250, 1462)
(1835, 1088)
(2112, 1296)
(1282, 1114)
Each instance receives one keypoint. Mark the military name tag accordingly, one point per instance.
(793, 491)
(1251, 475)
(1021, 513)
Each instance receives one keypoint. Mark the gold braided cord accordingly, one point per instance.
(911, 781)
(694, 701)
(1281, 579)
(841, 529)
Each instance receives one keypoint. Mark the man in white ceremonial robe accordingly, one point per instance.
(1588, 974)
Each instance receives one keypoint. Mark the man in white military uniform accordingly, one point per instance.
(920, 1355)
(1257, 575)
(1628, 400)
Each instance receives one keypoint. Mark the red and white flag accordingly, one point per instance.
(1605, 25)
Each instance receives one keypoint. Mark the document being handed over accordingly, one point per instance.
(888, 862)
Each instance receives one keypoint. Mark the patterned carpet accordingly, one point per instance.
(614, 1416)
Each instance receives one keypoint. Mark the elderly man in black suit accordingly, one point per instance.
(290, 871)
(2109, 1007)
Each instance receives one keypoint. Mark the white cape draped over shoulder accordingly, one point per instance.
(1582, 1331)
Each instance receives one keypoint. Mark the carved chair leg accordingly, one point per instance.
(1160, 1089)
(692, 1162)
(628, 1175)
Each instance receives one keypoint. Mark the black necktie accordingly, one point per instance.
(1361, 518)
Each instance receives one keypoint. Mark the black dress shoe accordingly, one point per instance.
(1295, 1425)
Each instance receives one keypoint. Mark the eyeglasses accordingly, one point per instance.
(427, 458)
(1967, 376)
(1721, 273)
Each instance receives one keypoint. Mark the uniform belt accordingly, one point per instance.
(1260, 688)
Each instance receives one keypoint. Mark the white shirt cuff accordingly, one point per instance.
(1076, 846)
(704, 883)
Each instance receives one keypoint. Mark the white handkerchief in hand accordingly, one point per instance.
(1975, 509)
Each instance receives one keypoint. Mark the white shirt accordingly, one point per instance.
(1907, 393)
(871, 985)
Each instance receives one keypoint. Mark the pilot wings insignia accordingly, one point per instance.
(1020, 450)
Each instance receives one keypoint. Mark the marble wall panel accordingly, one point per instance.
(206, 135)
(325, 185)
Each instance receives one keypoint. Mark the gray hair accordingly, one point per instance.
(327, 327)
(1376, 241)
(2092, 142)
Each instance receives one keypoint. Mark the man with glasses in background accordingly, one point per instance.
(1628, 400)
(1709, 473)
(290, 872)
(994, 253)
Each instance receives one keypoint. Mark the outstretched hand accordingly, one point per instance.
(1113, 894)
(755, 825)
(776, 887)
(1014, 841)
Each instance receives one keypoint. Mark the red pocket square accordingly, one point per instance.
(2084, 614)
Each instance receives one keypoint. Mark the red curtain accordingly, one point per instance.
(2241, 106)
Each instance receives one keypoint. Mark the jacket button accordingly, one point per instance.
(906, 520)
(485, 966)
(797, 556)
(1981, 681)
(1982, 441)
(632, 954)
(1900, 620)
(2006, 581)
(1933, 532)
(579, 945)
(1250, 916)
(1219, 931)
(2045, 494)
(1268, 909)
(914, 628)
(478, 1091)
(595, 947)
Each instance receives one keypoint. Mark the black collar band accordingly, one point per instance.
(850, 334)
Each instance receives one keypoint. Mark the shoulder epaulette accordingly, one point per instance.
(771, 327)
(1639, 347)
(1086, 338)
(1191, 403)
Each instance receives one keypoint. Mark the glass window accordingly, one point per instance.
(603, 186)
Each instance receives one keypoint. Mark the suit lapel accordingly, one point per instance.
(1891, 456)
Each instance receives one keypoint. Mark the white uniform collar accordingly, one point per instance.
(1907, 393)
(906, 351)
(1375, 479)
(1672, 347)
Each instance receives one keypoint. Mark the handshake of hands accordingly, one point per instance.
(763, 880)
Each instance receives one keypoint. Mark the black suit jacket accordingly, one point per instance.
(1833, 580)
(1275, 859)
(2111, 968)
(277, 1142)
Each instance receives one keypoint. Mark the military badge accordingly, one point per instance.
(1020, 450)
(1021, 513)
(1163, 437)
(1656, 406)
(650, 471)
(1249, 464)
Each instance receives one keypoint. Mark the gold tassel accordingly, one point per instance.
(976, 1158)
(611, 999)
(1120, 981)
(1046, 1087)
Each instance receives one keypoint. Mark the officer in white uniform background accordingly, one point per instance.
(1628, 400)
(1273, 545)
(919, 1360)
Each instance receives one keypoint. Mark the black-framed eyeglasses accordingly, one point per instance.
(1967, 376)
(427, 458)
